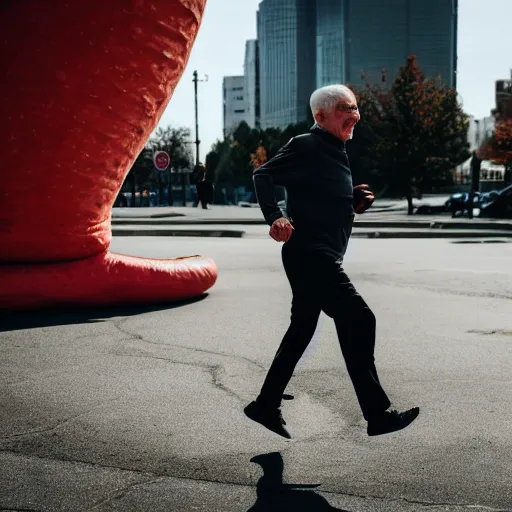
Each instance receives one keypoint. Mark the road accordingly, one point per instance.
(141, 409)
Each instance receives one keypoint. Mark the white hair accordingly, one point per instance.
(326, 98)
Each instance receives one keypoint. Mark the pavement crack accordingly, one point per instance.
(221, 354)
(155, 477)
(490, 332)
(118, 494)
(215, 371)
(119, 325)
(60, 424)
(19, 510)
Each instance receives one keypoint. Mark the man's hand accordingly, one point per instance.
(281, 230)
(363, 198)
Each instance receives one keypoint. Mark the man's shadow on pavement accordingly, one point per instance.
(275, 496)
(16, 320)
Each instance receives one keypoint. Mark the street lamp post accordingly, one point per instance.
(197, 142)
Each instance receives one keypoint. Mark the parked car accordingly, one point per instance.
(497, 204)
(459, 202)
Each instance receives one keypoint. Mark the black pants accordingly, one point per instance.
(201, 195)
(319, 283)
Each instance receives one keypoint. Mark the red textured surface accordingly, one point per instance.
(83, 85)
(103, 280)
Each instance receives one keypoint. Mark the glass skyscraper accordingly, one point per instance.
(433, 37)
(252, 83)
(306, 44)
(331, 23)
(286, 36)
(381, 34)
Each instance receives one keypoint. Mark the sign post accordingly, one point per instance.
(162, 160)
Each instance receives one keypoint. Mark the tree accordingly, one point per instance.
(417, 132)
(174, 141)
(362, 149)
(503, 141)
(499, 147)
(259, 157)
(232, 161)
(138, 176)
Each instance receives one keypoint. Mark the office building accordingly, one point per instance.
(287, 54)
(235, 104)
(252, 83)
(331, 47)
(306, 44)
(380, 35)
(504, 98)
(480, 130)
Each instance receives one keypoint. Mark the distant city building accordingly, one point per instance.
(252, 83)
(504, 99)
(382, 34)
(306, 44)
(479, 131)
(235, 104)
(331, 45)
(286, 37)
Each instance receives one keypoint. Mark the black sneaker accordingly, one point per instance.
(269, 418)
(391, 421)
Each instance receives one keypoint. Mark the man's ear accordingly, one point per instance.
(320, 116)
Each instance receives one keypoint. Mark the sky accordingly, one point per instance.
(484, 55)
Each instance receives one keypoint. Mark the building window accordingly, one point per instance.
(239, 111)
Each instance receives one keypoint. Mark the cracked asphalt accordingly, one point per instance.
(140, 409)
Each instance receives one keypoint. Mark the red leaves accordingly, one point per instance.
(258, 158)
(418, 129)
(499, 147)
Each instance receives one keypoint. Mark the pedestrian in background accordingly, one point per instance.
(198, 178)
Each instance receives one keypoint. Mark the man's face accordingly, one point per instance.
(342, 120)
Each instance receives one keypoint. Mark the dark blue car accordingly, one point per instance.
(498, 205)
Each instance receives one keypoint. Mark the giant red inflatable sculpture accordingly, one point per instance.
(83, 84)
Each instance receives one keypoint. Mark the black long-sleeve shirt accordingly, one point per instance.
(315, 171)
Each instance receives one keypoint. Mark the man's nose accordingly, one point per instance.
(357, 116)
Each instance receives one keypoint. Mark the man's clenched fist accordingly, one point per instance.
(363, 198)
(281, 230)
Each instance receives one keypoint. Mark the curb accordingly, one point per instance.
(355, 234)
(372, 224)
(437, 225)
(148, 217)
(185, 222)
(432, 234)
(178, 232)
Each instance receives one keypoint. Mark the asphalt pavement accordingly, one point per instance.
(140, 409)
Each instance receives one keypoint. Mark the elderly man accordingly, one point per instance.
(316, 228)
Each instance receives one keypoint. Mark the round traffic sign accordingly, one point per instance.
(162, 160)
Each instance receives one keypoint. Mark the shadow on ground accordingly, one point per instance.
(16, 320)
(275, 496)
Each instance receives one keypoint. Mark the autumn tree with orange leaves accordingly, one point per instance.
(415, 132)
(499, 147)
(259, 157)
